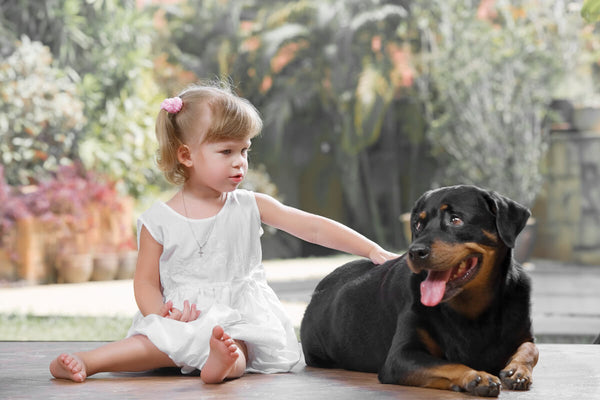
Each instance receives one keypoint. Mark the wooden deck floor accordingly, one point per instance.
(564, 372)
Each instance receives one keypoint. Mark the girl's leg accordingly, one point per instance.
(227, 358)
(136, 353)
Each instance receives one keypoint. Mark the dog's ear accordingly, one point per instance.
(511, 217)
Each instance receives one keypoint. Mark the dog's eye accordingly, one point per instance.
(418, 226)
(455, 221)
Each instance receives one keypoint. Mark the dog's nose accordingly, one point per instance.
(418, 252)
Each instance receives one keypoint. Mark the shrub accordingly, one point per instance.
(40, 113)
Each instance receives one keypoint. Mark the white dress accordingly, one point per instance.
(227, 283)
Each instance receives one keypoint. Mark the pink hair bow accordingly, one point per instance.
(172, 105)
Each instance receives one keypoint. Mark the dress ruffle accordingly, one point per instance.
(248, 310)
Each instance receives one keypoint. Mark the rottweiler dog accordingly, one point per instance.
(452, 313)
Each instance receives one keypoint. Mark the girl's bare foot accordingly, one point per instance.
(221, 363)
(67, 366)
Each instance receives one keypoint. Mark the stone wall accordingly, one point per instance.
(567, 210)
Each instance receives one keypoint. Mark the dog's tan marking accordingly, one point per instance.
(490, 235)
(449, 377)
(444, 207)
(445, 255)
(422, 214)
(431, 345)
(477, 293)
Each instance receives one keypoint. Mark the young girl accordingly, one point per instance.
(203, 299)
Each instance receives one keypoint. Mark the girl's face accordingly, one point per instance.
(219, 166)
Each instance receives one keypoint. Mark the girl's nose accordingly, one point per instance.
(239, 160)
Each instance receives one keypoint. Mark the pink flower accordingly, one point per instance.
(172, 105)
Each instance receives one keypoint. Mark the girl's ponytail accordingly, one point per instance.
(168, 144)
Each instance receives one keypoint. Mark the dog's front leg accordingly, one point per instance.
(517, 375)
(417, 361)
(457, 377)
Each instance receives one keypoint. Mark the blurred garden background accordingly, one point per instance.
(366, 104)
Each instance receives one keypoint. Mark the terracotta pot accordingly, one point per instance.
(8, 269)
(127, 263)
(30, 250)
(105, 266)
(75, 268)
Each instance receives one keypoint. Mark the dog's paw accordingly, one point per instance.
(481, 383)
(516, 377)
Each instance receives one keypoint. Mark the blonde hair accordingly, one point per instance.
(232, 118)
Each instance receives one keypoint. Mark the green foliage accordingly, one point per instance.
(487, 83)
(41, 115)
(591, 10)
(326, 77)
(313, 71)
(104, 46)
(298, 46)
(31, 327)
(121, 142)
(120, 95)
(326, 61)
(203, 35)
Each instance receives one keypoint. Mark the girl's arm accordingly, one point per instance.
(146, 281)
(319, 230)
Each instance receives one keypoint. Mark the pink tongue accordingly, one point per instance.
(434, 287)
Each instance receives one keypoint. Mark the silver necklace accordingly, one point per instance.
(212, 226)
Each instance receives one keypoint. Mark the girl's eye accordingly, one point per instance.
(455, 221)
(226, 152)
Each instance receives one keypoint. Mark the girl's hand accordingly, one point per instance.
(166, 308)
(379, 256)
(189, 313)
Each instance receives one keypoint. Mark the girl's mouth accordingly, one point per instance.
(237, 178)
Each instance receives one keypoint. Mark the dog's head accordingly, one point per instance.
(460, 234)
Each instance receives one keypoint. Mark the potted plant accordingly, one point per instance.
(488, 76)
(93, 219)
(127, 259)
(21, 236)
(70, 228)
(12, 209)
(62, 204)
(110, 227)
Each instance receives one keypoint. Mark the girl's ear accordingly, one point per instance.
(184, 155)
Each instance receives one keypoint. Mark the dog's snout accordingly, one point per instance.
(418, 252)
